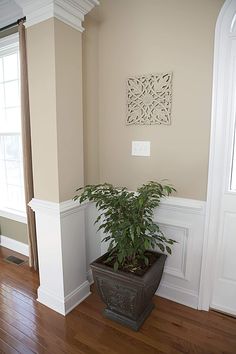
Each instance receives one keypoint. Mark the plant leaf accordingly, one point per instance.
(116, 266)
(146, 244)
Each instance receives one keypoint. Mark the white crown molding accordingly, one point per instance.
(71, 12)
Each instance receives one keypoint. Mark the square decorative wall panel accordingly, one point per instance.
(149, 99)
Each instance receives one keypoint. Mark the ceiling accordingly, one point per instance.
(9, 12)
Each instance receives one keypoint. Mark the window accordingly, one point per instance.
(11, 164)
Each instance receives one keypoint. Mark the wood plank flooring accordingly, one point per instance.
(28, 327)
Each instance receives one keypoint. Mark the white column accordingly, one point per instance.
(62, 254)
(54, 46)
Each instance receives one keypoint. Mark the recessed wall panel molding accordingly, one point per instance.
(177, 265)
(149, 99)
(183, 220)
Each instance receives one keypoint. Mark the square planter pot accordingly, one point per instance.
(126, 295)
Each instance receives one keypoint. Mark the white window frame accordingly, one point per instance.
(10, 44)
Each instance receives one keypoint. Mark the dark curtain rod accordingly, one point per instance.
(23, 19)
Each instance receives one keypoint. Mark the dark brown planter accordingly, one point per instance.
(126, 295)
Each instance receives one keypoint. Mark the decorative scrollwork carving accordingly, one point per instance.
(118, 298)
(149, 99)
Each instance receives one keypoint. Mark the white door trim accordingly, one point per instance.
(225, 30)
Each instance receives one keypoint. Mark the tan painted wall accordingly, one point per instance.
(68, 54)
(136, 37)
(13, 229)
(55, 85)
(42, 90)
(90, 100)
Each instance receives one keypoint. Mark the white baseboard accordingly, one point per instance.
(14, 245)
(223, 309)
(178, 294)
(77, 296)
(90, 276)
(64, 306)
(51, 300)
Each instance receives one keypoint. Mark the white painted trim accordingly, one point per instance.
(14, 245)
(178, 294)
(191, 205)
(90, 276)
(45, 206)
(71, 206)
(9, 43)
(13, 214)
(187, 247)
(63, 208)
(71, 12)
(77, 296)
(215, 176)
(51, 300)
(66, 305)
(61, 251)
(224, 309)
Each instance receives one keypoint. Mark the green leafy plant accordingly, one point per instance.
(127, 220)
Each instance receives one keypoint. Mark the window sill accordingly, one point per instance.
(15, 215)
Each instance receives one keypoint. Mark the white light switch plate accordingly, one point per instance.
(141, 148)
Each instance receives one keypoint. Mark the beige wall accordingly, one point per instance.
(133, 37)
(42, 90)
(68, 54)
(55, 85)
(13, 229)
(90, 100)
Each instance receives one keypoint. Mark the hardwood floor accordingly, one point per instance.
(29, 327)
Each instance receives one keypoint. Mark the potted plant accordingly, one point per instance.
(128, 275)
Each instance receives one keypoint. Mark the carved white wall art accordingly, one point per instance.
(149, 99)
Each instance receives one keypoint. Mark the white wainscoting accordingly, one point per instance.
(62, 255)
(14, 245)
(180, 219)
